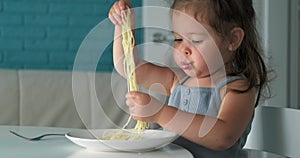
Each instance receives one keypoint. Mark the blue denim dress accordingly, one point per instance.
(205, 101)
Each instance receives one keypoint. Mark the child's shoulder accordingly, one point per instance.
(240, 84)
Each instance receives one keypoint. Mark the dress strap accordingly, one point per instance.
(219, 85)
(226, 81)
(184, 79)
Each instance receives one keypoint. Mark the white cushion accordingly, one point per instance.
(46, 99)
(9, 97)
(63, 99)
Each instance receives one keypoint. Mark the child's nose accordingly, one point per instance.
(185, 50)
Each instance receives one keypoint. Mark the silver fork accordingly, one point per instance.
(36, 138)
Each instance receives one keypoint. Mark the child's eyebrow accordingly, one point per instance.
(189, 33)
(175, 33)
(196, 33)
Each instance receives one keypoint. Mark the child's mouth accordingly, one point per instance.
(185, 66)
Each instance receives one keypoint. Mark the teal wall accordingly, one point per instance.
(46, 34)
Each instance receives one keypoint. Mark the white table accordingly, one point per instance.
(12, 146)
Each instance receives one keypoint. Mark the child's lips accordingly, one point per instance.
(185, 66)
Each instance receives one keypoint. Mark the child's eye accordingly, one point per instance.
(197, 41)
(177, 40)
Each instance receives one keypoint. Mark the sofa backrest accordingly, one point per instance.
(47, 98)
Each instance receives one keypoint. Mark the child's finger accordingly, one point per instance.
(116, 8)
(128, 3)
(122, 5)
(118, 19)
(112, 12)
(115, 17)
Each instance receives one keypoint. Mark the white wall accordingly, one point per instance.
(280, 35)
(278, 49)
(295, 53)
(157, 52)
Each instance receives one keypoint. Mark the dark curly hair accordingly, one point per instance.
(222, 16)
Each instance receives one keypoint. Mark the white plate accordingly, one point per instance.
(150, 140)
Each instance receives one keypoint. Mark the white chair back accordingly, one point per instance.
(276, 130)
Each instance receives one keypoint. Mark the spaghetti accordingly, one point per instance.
(128, 43)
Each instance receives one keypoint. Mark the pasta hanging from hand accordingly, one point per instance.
(128, 43)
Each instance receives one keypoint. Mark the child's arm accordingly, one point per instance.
(217, 133)
(147, 74)
(115, 16)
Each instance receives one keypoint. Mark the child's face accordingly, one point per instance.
(196, 46)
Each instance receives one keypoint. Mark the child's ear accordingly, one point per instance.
(236, 38)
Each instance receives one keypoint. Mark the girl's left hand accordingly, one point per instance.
(143, 107)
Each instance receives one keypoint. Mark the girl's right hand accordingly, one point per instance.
(115, 15)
